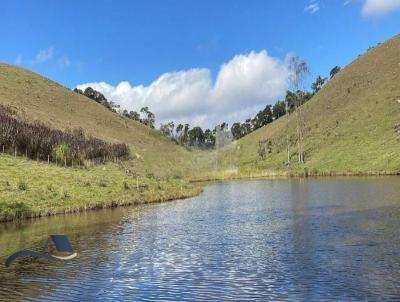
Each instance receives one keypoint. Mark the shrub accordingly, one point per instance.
(62, 153)
(38, 141)
(102, 183)
(65, 194)
(125, 185)
(22, 185)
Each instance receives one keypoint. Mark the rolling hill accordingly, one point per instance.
(36, 98)
(352, 126)
(29, 188)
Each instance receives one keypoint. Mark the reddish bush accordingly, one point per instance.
(38, 141)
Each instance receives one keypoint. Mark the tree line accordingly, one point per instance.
(145, 116)
(196, 137)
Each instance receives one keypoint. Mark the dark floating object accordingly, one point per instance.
(61, 243)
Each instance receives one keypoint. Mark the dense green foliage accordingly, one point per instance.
(97, 97)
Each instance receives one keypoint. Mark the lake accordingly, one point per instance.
(294, 239)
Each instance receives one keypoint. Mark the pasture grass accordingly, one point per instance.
(33, 189)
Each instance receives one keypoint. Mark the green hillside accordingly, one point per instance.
(36, 98)
(352, 126)
(29, 188)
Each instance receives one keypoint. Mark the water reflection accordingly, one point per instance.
(281, 239)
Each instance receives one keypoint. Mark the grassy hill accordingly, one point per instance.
(28, 188)
(352, 126)
(36, 98)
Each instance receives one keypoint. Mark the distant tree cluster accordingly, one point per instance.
(37, 141)
(334, 71)
(196, 137)
(145, 116)
(98, 97)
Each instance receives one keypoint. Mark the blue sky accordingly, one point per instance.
(137, 42)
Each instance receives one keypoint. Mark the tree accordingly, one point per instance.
(134, 115)
(278, 110)
(62, 153)
(164, 129)
(263, 117)
(196, 137)
(209, 139)
(96, 96)
(179, 132)
(224, 126)
(149, 117)
(246, 127)
(78, 91)
(185, 135)
(167, 129)
(125, 113)
(334, 71)
(318, 84)
(236, 130)
(290, 101)
(171, 127)
(223, 135)
(298, 71)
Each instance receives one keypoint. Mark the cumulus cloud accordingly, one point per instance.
(379, 7)
(242, 86)
(312, 7)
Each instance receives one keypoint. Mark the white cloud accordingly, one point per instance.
(379, 7)
(312, 7)
(347, 2)
(243, 86)
(44, 55)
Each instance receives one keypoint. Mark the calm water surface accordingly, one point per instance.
(315, 239)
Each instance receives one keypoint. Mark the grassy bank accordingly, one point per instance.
(34, 189)
(234, 174)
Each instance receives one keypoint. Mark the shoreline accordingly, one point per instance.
(285, 175)
(42, 203)
(194, 191)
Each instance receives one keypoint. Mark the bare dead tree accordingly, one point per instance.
(298, 71)
(287, 131)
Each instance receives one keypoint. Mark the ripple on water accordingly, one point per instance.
(247, 241)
